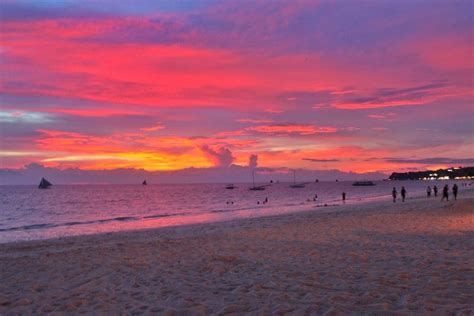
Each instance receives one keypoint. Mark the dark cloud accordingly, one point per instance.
(433, 161)
(420, 94)
(320, 160)
(253, 161)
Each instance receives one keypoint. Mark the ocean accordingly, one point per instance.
(28, 213)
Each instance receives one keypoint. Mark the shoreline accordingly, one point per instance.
(186, 219)
(329, 261)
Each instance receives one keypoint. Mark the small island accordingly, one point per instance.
(454, 173)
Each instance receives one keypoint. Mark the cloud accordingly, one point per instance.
(290, 129)
(157, 127)
(94, 112)
(389, 97)
(434, 161)
(257, 121)
(273, 111)
(377, 116)
(25, 117)
(321, 160)
(283, 129)
(106, 75)
(253, 161)
(221, 157)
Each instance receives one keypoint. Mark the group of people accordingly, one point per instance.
(445, 192)
(403, 193)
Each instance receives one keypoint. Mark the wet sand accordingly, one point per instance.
(375, 258)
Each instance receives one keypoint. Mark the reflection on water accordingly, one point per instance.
(29, 213)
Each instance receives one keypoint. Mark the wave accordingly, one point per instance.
(308, 203)
(165, 215)
(51, 225)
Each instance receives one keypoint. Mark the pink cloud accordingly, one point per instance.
(157, 127)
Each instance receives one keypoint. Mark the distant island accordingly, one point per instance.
(457, 173)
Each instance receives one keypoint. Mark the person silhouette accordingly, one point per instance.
(394, 195)
(455, 191)
(445, 193)
(404, 194)
(428, 191)
(435, 190)
(343, 197)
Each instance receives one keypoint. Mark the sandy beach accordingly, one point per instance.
(375, 258)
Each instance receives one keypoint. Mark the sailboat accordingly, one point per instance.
(254, 187)
(296, 185)
(44, 184)
(144, 182)
(230, 186)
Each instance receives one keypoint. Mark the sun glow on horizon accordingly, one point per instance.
(211, 86)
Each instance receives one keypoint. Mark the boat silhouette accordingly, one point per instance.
(144, 182)
(363, 183)
(296, 185)
(44, 184)
(257, 187)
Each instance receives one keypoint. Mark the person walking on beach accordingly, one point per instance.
(435, 190)
(455, 191)
(404, 194)
(428, 191)
(394, 195)
(445, 193)
(344, 197)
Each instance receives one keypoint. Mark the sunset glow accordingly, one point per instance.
(167, 85)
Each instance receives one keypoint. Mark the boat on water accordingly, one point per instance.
(259, 188)
(230, 187)
(296, 185)
(144, 182)
(256, 187)
(363, 183)
(44, 184)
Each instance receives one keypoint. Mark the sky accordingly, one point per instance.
(354, 86)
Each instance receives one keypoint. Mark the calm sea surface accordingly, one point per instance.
(28, 213)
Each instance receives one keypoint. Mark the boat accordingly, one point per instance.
(255, 187)
(144, 182)
(296, 185)
(230, 187)
(363, 183)
(44, 184)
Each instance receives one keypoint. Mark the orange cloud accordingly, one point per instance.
(286, 129)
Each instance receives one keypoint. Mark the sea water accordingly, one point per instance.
(28, 213)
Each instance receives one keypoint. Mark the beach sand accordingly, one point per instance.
(374, 258)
